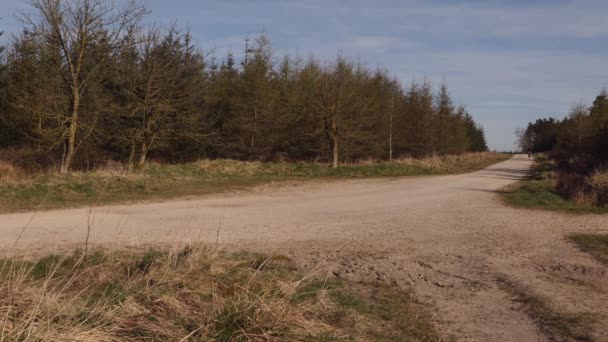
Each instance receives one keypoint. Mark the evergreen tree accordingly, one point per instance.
(222, 110)
(476, 135)
(599, 110)
(256, 96)
(444, 109)
(458, 140)
(4, 120)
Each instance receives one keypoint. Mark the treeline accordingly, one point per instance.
(578, 146)
(86, 82)
(583, 133)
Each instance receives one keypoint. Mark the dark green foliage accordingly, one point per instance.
(475, 135)
(540, 136)
(5, 137)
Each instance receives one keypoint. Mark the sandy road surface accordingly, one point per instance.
(448, 238)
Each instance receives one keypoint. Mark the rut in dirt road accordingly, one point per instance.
(449, 238)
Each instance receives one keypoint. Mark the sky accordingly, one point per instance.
(509, 62)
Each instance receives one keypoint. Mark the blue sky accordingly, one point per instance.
(508, 61)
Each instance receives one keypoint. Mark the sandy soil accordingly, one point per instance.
(447, 237)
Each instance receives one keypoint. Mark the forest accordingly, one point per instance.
(578, 146)
(87, 82)
(583, 133)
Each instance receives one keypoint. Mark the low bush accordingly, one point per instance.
(558, 186)
(584, 190)
(28, 160)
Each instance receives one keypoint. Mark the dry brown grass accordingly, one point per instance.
(112, 183)
(583, 198)
(553, 189)
(598, 182)
(227, 166)
(191, 293)
(451, 163)
(9, 173)
(435, 163)
(589, 191)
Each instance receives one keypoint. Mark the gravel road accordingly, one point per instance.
(447, 238)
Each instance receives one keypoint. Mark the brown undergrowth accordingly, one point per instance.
(195, 293)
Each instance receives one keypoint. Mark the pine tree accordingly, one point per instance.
(429, 117)
(444, 111)
(458, 141)
(256, 95)
(36, 94)
(4, 126)
(222, 110)
(476, 135)
(599, 110)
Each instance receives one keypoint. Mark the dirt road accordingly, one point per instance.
(448, 238)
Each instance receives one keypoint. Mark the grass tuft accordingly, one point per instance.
(195, 294)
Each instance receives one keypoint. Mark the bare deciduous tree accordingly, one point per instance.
(86, 34)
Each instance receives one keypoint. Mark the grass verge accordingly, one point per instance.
(158, 181)
(556, 326)
(195, 294)
(538, 192)
(594, 244)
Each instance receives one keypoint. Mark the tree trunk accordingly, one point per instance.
(334, 138)
(580, 128)
(390, 132)
(334, 163)
(131, 162)
(253, 129)
(143, 154)
(70, 140)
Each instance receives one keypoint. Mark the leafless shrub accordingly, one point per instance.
(583, 198)
(598, 182)
(583, 190)
(27, 160)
